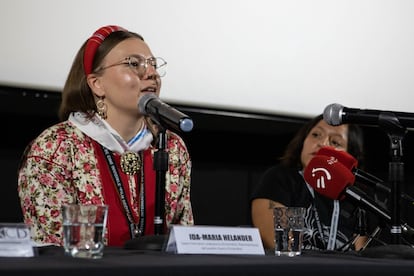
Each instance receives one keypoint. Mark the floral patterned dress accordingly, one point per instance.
(62, 166)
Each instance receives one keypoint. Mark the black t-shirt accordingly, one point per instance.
(287, 186)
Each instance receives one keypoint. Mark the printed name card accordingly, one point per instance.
(214, 240)
(15, 240)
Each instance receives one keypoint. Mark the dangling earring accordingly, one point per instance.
(101, 106)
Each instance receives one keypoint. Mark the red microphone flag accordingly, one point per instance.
(328, 177)
(344, 157)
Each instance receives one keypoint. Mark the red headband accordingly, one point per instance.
(94, 42)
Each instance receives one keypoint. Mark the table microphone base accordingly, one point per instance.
(151, 242)
(392, 251)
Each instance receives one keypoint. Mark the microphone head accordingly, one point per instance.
(328, 177)
(333, 114)
(186, 124)
(143, 100)
(344, 157)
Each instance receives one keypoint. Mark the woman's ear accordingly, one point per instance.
(95, 84)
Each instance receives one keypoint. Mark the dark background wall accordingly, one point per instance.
(229, 149)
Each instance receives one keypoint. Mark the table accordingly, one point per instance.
(122, 262)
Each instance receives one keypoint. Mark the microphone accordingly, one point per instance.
(336, 114)
(370, 180)
(343, 157)
(351, 163)
(163, 114)
(360, 176)
(364, 200)
(328, 177)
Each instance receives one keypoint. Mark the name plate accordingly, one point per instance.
(15, 240)
(214, 240)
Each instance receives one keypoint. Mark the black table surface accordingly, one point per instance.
(123, 262)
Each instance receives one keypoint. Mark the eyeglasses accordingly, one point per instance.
(139, 65)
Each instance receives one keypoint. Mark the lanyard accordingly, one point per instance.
(334, 226)
(334, 219)
(135, 229)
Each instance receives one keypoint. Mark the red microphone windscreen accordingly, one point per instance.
(344, 157)
(328, 177)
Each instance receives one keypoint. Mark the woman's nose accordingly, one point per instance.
(324, 142)
(150, 72)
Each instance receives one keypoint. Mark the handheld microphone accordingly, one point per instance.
(336, 114)
(338, 183)
(333, 180)
(360, 176)
(343, 157)
(163, 114)
(328, 177)
(351, 163)
(370, 180)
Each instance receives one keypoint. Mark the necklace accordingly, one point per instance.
(130, 162)
(136, 228)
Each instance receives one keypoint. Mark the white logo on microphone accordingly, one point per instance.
(332, 160)
(320, 182)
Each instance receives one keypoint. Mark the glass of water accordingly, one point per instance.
(289, 226)
(84, 229)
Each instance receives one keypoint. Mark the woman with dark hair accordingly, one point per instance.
(102, 150)
(284, 185)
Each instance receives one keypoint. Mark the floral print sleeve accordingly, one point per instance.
(49, 177)
(178, 179)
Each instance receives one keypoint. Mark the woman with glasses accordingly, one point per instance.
(102, 151)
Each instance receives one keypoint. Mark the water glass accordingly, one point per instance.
(289, 226)
(84, 230)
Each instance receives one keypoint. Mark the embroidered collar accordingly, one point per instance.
(104, 134)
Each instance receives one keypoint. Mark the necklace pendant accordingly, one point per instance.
(130, 162)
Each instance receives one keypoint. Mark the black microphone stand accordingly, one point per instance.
(396, 132)
(156, 241)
